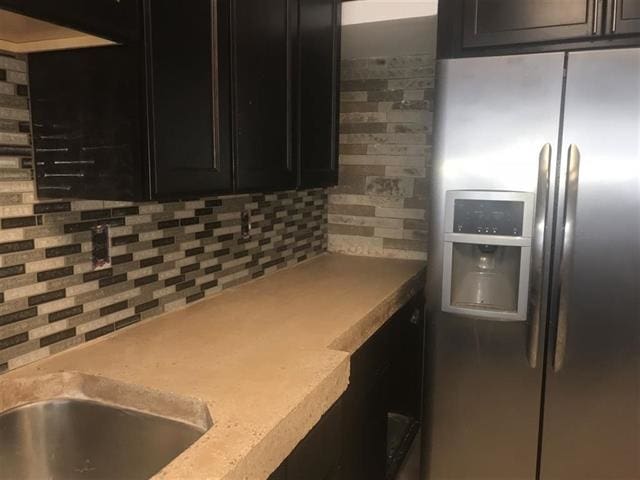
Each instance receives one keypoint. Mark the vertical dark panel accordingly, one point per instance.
(189, 91)
(263, 35)
(86, 111)
(319, 57)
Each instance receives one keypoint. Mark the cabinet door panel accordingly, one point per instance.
(263, 31)
(319, 57)
(86, 147)
(189, 88)
(509, 22)
(624, 17)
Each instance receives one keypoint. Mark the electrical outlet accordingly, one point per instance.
(246, 224)
(100, 251)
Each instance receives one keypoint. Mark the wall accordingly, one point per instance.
(390, 38)
(380, 205)
(165, 255)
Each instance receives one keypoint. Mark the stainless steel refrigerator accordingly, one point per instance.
(533, 286)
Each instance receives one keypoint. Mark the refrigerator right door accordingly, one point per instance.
(591, 427)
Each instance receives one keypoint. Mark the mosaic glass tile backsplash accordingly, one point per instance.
(164, 255)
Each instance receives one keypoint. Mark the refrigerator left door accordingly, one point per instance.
(497, 124)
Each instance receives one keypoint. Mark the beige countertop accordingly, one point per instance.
(268, 357)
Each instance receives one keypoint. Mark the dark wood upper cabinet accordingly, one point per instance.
(210, 98)
(87, 124)
(263, 35)
(189, 83)
(148, 119)
(470, 28)
(623, 17)
(511, 22)
(319, 76)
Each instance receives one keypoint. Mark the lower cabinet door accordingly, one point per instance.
(374, 430)
(318, 456)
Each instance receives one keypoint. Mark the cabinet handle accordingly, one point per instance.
(537, 276)
(596, 16)
(614, 17)
(571, 205)
(214, 86)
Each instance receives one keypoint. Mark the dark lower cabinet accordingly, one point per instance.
(319, 455)
(623, 17)
(319, 90)
(351, 441)
(263, 36)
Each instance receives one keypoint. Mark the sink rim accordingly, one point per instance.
(16, 393)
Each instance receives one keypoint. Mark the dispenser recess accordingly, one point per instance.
(487, 254)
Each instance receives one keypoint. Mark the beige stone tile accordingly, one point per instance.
(388, 233)
(48, 329)
(14, 114)
(359, 231)
(416, 214)
(416, 172)
(394, 187)
(354, 245)
(371, 200)
(28, 358)
(365, 221)
(385, 160)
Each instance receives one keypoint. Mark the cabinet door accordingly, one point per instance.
(319, 57)
(263, 34)
(511, 22)
(113, 19)
(623, 17)
(84, 145)
(189, 88)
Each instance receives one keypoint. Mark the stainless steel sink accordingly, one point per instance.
(70, 439)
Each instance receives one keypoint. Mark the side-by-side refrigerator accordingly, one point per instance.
(533, 336)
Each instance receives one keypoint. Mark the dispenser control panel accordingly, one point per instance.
(488, 217)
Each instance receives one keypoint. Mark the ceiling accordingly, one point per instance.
(368, 11)
(20, 34)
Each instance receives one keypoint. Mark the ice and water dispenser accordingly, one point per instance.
(487, 253)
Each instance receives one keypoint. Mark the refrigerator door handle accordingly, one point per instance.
(566, 257)
(537, 255)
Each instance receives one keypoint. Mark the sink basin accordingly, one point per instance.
(69, 425)
(79, 439)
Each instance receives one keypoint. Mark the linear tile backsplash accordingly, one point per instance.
(380, 206)
(165, 255)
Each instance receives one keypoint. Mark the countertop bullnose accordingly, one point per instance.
(268, 357)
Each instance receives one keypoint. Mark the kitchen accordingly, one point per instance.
(319, 239)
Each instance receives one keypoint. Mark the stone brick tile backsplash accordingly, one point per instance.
(164, 255)
(379, 207)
